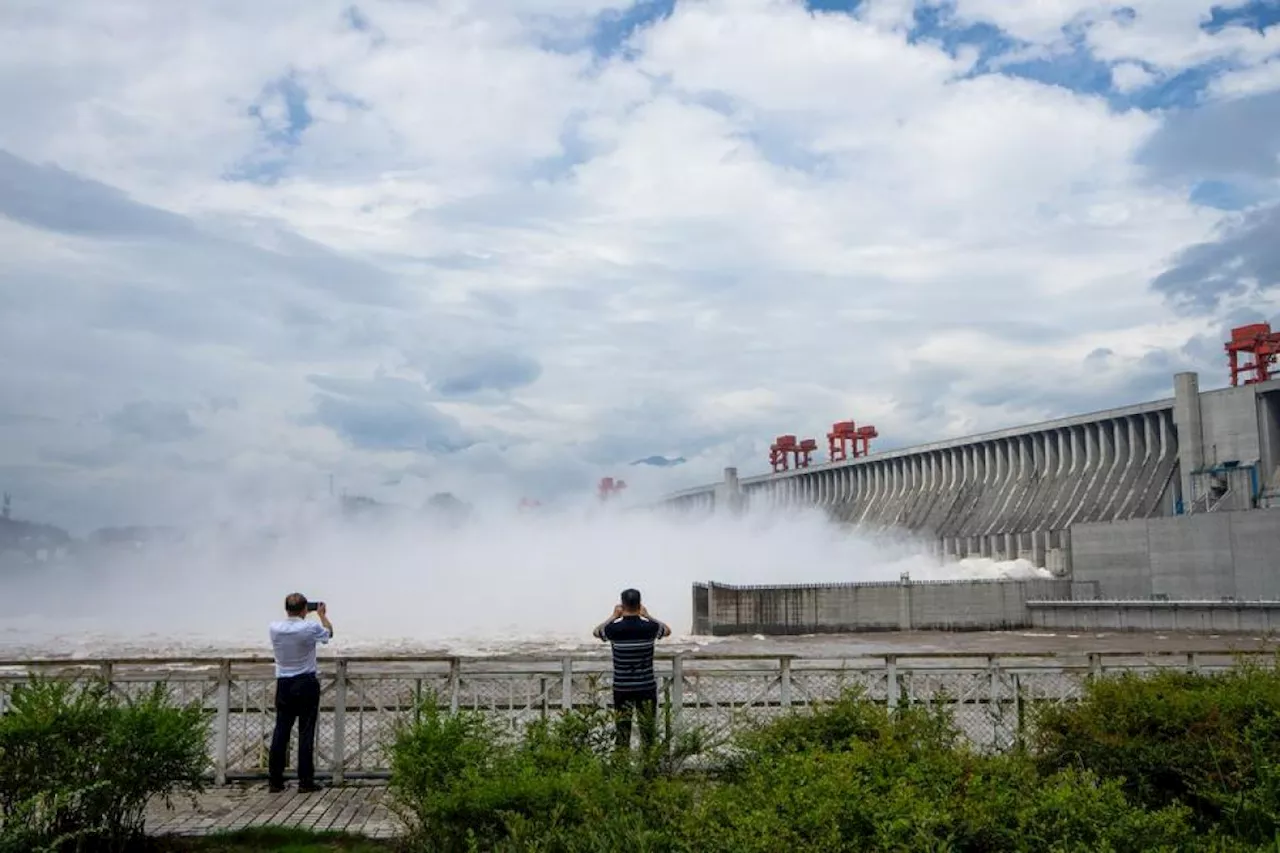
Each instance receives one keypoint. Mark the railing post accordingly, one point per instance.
(1018, 706)
(1193, 662)
(891, 680)
(993, 700)
(455, 679)
(677, 690)
(222, 724)
(1095, 665)
(784, 682)
(340, 723)
(566, 683)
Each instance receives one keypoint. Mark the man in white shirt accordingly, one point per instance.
(293, 641)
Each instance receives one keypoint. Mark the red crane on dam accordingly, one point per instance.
(1257, 341)
(787, 447)
(845, 439)
(846, 436)
(787, 451)
(610, 488)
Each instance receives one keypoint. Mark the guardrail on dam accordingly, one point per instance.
(363, 699)
(1017, 492)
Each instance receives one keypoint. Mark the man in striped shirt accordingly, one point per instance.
(632, 632)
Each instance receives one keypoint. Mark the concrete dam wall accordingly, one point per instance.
(987, 605)
(1214, 556)
(1019, 492)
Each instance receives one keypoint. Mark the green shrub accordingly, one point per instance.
(853, 775)
(847, 723)
(461, 784)
(867, 798)
(1210, 741)
(78, 764)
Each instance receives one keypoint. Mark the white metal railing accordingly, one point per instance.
(362, 698)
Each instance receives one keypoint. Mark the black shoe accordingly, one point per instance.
(274, 789)
(311, 787)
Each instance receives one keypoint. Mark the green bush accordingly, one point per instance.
(78, 764)
(461, 784)
(848, 723)
(857, 777)
(1211, 741)
(1170, 763)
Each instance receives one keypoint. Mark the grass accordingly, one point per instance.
(277, 840)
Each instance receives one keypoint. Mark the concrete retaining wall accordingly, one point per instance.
(831, 608)
(1210, 556)
(1221, 617)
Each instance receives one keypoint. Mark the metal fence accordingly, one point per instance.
(363, 698)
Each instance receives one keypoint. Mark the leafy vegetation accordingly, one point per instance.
(1165, 763)
(1171, 762)
(79, 763)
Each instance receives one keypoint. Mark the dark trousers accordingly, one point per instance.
(297, 699)
(628, 704)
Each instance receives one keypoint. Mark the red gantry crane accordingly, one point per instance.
(1259, 347)
(782, 447)
(846, 436)
(610, 487)
(786, 448)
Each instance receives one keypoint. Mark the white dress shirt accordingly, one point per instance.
(294, 643)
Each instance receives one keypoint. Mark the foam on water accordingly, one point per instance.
(511, 583)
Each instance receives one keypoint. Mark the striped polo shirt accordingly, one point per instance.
(632, 638)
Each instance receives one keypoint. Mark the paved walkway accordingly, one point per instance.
(356, 808)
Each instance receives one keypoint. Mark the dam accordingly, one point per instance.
(1172, 499)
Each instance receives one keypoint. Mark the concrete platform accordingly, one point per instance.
(355, 808)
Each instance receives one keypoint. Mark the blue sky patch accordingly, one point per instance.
(282, 135)
(297, 116)
(613, 28)
(1255, 15)
(356, 19)
(847, 6)
(937, 24)
(1224, 195)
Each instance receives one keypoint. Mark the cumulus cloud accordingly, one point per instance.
(385, 413)
(154, 422)
(1244, 261)
(515, 246)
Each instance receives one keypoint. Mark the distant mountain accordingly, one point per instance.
(447, 508)
(136, 535)
(29, 536)
(660, 461)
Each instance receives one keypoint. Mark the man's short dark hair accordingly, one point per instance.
(631, 599)
(295, 604)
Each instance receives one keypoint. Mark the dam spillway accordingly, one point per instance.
(1020, 492)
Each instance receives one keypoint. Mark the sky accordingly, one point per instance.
(507, 247)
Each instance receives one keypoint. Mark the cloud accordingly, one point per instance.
(496, 371)
(1244, 260)
(1131, 77)
(513, 246)
(1239, 139)
(660, 461)
(386, 414)
(154, 422)
(49, 197)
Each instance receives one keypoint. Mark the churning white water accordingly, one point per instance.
(494, 584)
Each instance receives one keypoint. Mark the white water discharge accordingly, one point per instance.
(493, 585)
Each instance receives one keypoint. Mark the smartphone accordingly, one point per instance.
(313, 606)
